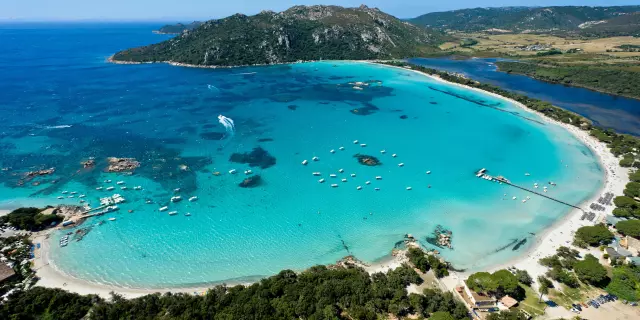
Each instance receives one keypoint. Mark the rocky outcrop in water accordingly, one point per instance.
(122, 164)
(258, 157)
(367, 160)
(251, 182)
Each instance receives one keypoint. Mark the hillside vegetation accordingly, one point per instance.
(528, 19)
(299, 33)
(178, 28)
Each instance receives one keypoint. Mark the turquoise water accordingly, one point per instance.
(165, 116)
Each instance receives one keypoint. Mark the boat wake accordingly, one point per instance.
(228, 124)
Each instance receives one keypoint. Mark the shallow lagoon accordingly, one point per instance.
(166, 117)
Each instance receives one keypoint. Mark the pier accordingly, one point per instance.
(482, 174)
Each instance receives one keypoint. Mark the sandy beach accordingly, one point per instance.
(560, 233)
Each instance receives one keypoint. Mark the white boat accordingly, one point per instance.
(120, 182)
(112, 219)
(409, 188)
(316, 173)
(65, 192)
(341, 148)
(401, 164)
(514, 198)
(353, 175)
(248, 172)
(525, 200)
(344, 180)
(304, 162)
(176, 190)
(188, 214)
(341, 170)
(335, 185)
(376, 189)
(71, 197)
(176, 198)
(368, 182)
(192, 199)
(73, 192)
(232, 171)
(429, 172)
(527, 174)
(333, 175)
(355, 141)
(137, 188)
(358, 188)
(99, 188)
(165, 208)
(357, 88)
(173, 213)
(363, 144)
(81, 196)
(378, 178)
(82, 201)
(394, 155)
(107, 181)
(60, 197)
(315, 158)
(123, 188)
(332, 151)
(148, 202)
(383, 151)
(321, 180)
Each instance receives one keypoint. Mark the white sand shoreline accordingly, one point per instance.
(560, 233)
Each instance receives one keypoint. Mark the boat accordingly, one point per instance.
(525, 200)
(527, 174)
(112, 219)
(71, 196)
(232, 171)
(316, 173)
(376, 189)
(65, 192)
(321, 180)
(335, 185)
(357, 88)
(165, 208)
(429, 172)
(409, 188)
(344, 180)
(363, 144)
(353, 175)
(358, 188)
(176, 198)
(332, 151)
(341, 170)
(383, 151)
(401, 164)
(514, 198)
(315, 158)
(378, 178)
(176, 190)
(304, 162)
(82, 201)
(148, 201)
(341, 148)
(120, 182)
(99, 188)
(355, 141)
(123, 188)
(394, 155)
(137, 188)
(192, 199)
(333, 175)
(188, 214)
(60, 197)
(173, 213)
(110, 188)
(248, 171)
(73, 192)
(368, 182)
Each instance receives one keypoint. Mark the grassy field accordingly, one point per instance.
(531, 303)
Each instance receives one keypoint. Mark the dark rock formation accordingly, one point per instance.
(365, 110)
(404, 116)
(251, 182)
(292, 107)
(258, 157)
(122, 164)
(367, 160)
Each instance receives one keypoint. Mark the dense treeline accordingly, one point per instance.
(425, 262)
(609, 80)
(30, 219)
(318, 293)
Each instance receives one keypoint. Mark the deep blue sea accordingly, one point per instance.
(62, 103)
(615, 112)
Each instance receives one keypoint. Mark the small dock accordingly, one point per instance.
(482, 174)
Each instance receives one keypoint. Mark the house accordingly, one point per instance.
(507, 302)
(479, 301)
(5, 272)
(617, 253)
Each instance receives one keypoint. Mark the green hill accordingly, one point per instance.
(178, 27)
(624, 25)
(299, 33)
(522, 19)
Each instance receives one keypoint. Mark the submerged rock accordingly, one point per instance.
(32, 174)
(250, 182)
(292, 107)
(265, 140)
(212, 135)
(122, 164)
(367, 160)
(365, 110)
(258, 157)
(90, 163)
(404, 116)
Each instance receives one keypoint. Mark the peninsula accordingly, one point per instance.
(301, 33)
